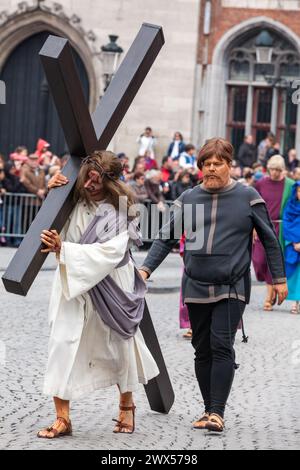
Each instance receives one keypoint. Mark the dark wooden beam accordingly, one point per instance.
(83, 134)
(159, 390)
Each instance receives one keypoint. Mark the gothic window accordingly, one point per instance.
(259, 94)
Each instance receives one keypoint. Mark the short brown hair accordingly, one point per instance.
(138, 175)
(216, 147)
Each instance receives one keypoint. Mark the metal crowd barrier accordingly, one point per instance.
(17, 212)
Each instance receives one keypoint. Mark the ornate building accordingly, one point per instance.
(163, 102)
(238, 91)
(208, 80)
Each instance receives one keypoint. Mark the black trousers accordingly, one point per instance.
(214, 328)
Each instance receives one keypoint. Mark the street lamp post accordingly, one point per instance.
(264, 47)
(264, 54)
(110, 56)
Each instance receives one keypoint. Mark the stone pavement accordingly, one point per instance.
(263, 410)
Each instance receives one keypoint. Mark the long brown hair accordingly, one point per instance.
(108, 165)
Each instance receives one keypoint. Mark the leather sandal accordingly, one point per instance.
(188, 334)
(55, 432)
(201, 422)
(122, 427)
(215, 423)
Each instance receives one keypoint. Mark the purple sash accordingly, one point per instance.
(122, 311)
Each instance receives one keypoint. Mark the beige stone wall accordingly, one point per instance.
(165, 100)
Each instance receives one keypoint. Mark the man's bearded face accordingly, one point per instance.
(216, 173)
(93, 185)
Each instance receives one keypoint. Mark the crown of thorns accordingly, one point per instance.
(109, 174)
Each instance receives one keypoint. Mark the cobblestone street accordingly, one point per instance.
(263, 410)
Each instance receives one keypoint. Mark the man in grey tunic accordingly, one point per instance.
(216, 282)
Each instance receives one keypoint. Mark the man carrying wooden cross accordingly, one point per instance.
(84, 135)
(97, 298)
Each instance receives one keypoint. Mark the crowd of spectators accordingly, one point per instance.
(28, 173)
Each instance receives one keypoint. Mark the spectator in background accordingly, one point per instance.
(188, 158)
(125, 162)
(292, 160)
(127, 175)
(182, 184)
(258, 171)
(19, 157)
(167, 175)
(139, 165)
(247, 153)
(147, 142)
(258, 167)
(248, 178)
(272, 149)
(175, 166)
(150, 163)
(12, 180)
(139, 188)
(196, 175)
(263, 147)
(45, 157)
(176, 147)
(291, 232)
(166, 170)
(296, 174)
(235, 171)
(33, 177)
(275, 190)
(154, 189)
(14, 204)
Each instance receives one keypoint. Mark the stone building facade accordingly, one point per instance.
(236, 95)
(164, 101)
(205, 82)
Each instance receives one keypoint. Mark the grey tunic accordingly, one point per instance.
(217, 255)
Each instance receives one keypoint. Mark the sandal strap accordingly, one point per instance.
(126, 426)
(214, 418)
(55, 431)
(67, 424)
(127, 408)
(204, 417)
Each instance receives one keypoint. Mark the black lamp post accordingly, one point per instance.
(264, 47)
(264, 53)
(111, 54)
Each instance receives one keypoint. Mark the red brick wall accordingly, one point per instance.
(224, 19)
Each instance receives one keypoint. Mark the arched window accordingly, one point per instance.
(259, 94)
(29, 112)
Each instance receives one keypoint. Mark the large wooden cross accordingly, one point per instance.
(85, 133)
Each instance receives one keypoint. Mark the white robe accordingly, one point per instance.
(84, 353)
